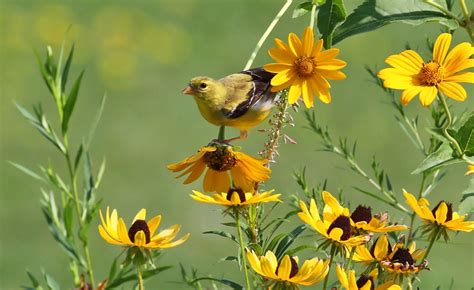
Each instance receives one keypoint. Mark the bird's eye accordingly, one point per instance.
(203, 85)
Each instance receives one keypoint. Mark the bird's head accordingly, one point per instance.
(201, 87)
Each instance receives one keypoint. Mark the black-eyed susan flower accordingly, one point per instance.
(286, 271)
(335, 226)
(403, 260)
(363, 220)
(380, 250)
(304, 68)
(365, 282)
(141, 234)
(220, 160)
(441, 218)
(236, 197)
(470, 169)
(414, 76)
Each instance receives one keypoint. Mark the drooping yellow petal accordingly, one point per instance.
(441, 47)
(453, 90)
(294, 93)
(285, 268)
(427, 95)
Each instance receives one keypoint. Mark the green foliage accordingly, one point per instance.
(467, 200)
(465, 136)
(373, 14)
(331, 13)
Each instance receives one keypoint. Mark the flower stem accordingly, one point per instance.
(221, 135)
(467, 20)
(333, 252)
(267, 32)
(444, 10)
(140, 279)
(242, 249)
(449, 122)
(313, 16)
(433, 239)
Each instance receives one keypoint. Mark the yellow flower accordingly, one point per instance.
(470, 169)
(140, 234)
(364, 282)
(219, 160)
(402, 260)
(363, 220)
(304, 68)
(441, 217)
(380, 250)
(287, 271)
(335, 226)
(236, 197)
(414, 76)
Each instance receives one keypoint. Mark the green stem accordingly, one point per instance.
(444, 10)
(432, 241)
(221, 135)
(349, 263)
(333, 252)
(140, 279)
(465, 11)
(449, 122)
(242, 249)
(413, 215)
(267, 32)
(313, 16)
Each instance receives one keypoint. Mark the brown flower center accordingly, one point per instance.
(362, 213)
(344, 223)
(363, 280)
(294, 268)
(305, 66)
(449, 214)
(239, 191)
(220, 160)
(403, 256)
(139, 225)
(431, 74)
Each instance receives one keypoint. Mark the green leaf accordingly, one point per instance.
(302, 9)
(51, 283)
(77, 160)
(67, 66)
(34, 281)
(226, 282)
(133, 276)
(71, 102)
(27, 171)
(223, 234)
(438, 159)
(68, 217)
(467, 201)
(293, 251)
(330, 15)
(373, 14)
(87, 220)
(274, 241)
(288, 240)
(465, 137)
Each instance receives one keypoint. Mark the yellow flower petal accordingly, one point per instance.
(427, 95)
(141, 215)
(284, 269)
(294, 93)
(441, 47)
(441, 213)
(453, 90)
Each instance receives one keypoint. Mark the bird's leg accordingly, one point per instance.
(243, 135)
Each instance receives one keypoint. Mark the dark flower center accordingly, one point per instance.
(344, 223)
(449, 214)
(239, 191)
(431, 74)
(363, 280)
(372, 249)
(305, 66)
(220, 160)
(362, 213)
(403, 256)
(139, 225)
(294, 268)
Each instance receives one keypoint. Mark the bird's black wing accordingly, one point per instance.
(260, 91)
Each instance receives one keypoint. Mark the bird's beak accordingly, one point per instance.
(188, 90)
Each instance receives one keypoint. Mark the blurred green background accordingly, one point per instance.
(142, 53)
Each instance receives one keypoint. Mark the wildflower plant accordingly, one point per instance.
(348, 247)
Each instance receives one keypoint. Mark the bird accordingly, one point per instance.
(240, 100)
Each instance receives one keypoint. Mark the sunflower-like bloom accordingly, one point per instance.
(140, 234)
(236, 197)
(219, 160)
(335, 226)
(403, 260)
(414, 76)
(441, 217)
(363, 220)
(287, 270)
(470, 169)
(380, 250)
(365, 282)
(304, 68)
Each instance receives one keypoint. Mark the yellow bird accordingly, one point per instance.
(241, 100)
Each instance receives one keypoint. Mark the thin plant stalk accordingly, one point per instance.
(242, 250)
(333, 253)
(432, 241)
(267, 33)
(448, 124)
(313, 16)
(412, 220)
(140, 279)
